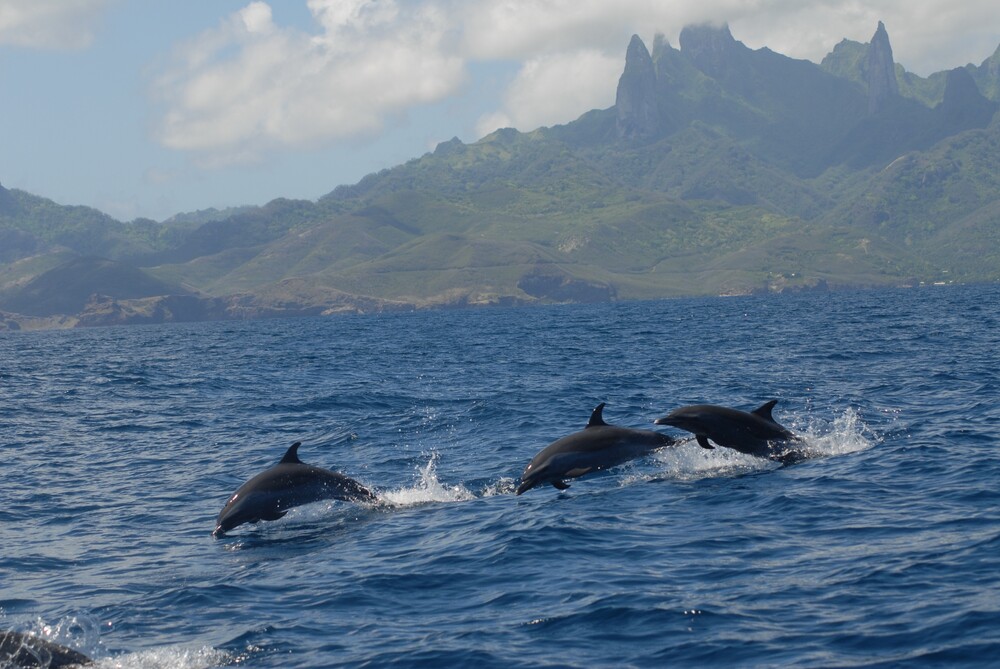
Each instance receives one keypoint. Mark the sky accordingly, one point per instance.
(150, 108)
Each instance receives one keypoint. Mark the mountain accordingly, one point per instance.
(719, 170)
(68, 287)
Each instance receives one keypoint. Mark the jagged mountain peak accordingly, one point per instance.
(881, 69)
(719, 166)
(707, 38)
(636, 48)
(635, 101)
(713, 50)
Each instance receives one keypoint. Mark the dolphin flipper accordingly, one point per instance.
(560, 485)
(273, 515)
(703, 441)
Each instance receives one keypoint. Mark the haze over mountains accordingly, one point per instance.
(719, 170)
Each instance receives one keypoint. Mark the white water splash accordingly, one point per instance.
(689, 461)
(504, 486)
(169, 658)
(82, 633)
(846, 434)
(427, 489)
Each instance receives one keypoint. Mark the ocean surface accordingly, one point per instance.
(121, 445)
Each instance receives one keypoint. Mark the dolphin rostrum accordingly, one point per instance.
(25, 650)
(290, 483)
(750, 432)
(598, 446)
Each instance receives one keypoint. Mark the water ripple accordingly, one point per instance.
(879, 549)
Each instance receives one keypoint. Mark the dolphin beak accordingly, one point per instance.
(525, 485)
(218, 533)
(663, 420)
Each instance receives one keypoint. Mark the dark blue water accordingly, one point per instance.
(121, 445)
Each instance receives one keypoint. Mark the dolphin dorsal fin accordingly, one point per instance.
(597, 418)
(764, 410)
(292, 455)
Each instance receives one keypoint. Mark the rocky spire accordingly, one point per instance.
(881, 69)
(635, 102)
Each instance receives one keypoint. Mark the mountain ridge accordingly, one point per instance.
(720, 170)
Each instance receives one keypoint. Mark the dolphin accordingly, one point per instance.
(25, 650)
(290, 483)
(597, 446)
(750, 432)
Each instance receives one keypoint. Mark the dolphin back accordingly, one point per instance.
(290, 483)
(596, 447)
(749, 432)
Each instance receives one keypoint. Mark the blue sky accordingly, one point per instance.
(156, 107)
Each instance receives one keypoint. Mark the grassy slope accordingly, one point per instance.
(728, 199)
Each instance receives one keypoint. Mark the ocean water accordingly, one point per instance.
(882, 549)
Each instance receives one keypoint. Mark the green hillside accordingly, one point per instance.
(720, 170)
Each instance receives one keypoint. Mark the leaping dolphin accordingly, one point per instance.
(290, 483)
(24, 650)
(598, 446)
(750, 432)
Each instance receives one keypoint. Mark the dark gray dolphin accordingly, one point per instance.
(751, 432)
(291, 482)
(598, 446)
(24, 650)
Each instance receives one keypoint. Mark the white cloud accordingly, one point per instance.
(248, 86)
(546, 36)
(49, 24)
(927, 35)
(557, 88)
(257, 18)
